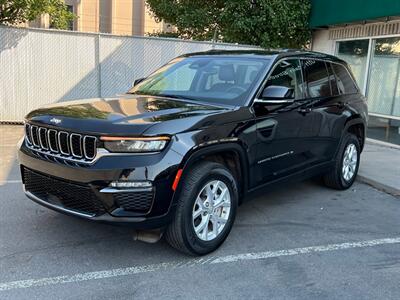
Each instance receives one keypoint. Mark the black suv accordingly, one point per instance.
(180, 151)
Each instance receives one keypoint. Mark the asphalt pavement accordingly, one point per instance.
(302, 241)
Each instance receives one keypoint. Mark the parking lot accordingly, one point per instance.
(301, 241)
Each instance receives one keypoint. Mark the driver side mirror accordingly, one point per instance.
(137, 81)
(275, 94)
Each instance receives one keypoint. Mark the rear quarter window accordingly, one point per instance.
(344, 81)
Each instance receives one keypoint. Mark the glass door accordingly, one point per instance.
(383, 90)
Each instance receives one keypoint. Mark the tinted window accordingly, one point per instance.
(288, 73)
(344, 82)
(317, 78)
(228, 76)
(332, 80)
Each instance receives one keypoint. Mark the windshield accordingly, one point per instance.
(223, 80)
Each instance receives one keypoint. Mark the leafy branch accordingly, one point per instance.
(14, 12)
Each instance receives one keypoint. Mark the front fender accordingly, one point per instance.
(196, 152)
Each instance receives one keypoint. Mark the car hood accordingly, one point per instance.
(128, 114)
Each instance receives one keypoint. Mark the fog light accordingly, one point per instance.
(131, 184)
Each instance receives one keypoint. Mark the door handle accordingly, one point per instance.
(304, 111)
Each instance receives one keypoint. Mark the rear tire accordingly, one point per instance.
(344, 172)
(203, 219)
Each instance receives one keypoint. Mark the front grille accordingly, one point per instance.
(65, 194)
(61, 143)
(135, 201)
(43, 141)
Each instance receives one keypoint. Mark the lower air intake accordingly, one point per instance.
(62, 193)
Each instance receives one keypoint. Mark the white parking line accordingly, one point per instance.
(10, 181)
(189, 263)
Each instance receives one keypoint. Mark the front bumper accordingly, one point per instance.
(62, 187)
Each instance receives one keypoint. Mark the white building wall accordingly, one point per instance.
(321, 42)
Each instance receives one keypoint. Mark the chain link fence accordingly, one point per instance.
(40, 67)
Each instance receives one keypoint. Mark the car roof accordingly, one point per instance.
(267, 53)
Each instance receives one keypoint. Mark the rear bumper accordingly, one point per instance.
(60, 187)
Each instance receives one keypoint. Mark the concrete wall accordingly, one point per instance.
(122, 17)
(151, 26)
(88, 15)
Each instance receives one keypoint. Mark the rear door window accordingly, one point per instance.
(345, 83)
(332, 80)
(317, 78)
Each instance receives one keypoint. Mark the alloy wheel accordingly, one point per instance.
(350, 159)
(211, 210)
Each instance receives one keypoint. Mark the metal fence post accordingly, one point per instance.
(98, 65)
(77, 65)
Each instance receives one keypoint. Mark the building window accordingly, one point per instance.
(355, 53)
(384, 83)
(70, 8)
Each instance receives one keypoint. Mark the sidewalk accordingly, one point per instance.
(380, 167)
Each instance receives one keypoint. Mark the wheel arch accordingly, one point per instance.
(358, 127)
(231, 154)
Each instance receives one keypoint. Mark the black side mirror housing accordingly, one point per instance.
(137, 81)
(276, 92)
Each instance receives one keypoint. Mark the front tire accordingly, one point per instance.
(206, 209)
(347, 161)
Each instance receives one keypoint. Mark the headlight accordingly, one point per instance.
(133, 144)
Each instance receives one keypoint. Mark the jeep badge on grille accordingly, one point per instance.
(55, 121)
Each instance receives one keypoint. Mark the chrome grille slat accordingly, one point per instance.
(74, 141)
(89, 149)
(34, 135)
(44, 144)
(57, 144)
(53, 140)
(28, 134)
(63, 142)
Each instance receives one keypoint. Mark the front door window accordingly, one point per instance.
(288, 74)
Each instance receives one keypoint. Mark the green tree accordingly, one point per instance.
(268, 23)
(13, 12)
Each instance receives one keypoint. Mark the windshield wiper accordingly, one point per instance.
(175, 97)
(163, 95)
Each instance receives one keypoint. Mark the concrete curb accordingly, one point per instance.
(382, 144)
(379, 185)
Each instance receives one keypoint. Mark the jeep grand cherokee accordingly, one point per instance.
(181, 150)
